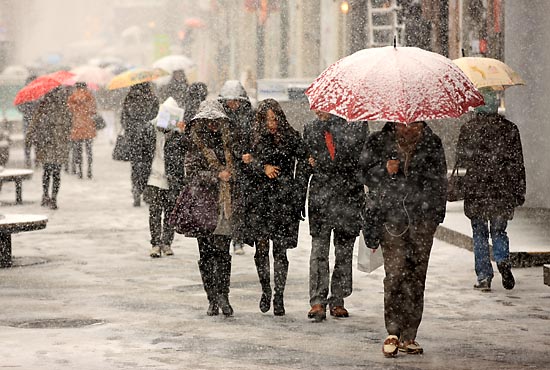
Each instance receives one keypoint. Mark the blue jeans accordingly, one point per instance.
(501, 245)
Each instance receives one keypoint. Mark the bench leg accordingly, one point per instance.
(18, 191)
(5, 250)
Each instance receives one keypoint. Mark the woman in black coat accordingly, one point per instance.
(140, 106)
(277, 200)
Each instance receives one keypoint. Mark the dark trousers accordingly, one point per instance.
(78, 155)
(341, 281)
(215, 265)
(280, 266)
(51, 171)
(139, 178)
(406, 260)
(161, 203)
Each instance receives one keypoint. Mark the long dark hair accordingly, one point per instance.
(283, 127)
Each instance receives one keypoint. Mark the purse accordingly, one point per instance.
(121, 150)
(99, 122)
(455, 186)
(196, 211)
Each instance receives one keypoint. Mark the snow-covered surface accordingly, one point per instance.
(151, 312)
(403, 84)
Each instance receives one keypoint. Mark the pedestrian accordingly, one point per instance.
(166, 177)
(335, 201)
(196, 93)
(27, 110)
(49, 132)
(238, 108)
(176, 88)
(140, 106)
(83, 108)
(489, 147)
(210, 170)
(279, 199)
(404, 167)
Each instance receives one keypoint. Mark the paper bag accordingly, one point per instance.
(368, 259)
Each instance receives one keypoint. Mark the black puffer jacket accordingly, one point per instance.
(421, 195)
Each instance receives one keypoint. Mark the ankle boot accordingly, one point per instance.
(278, 305)
(207, 271)
(280, 275)
(223, 301)
(223, 276)
(262, 267)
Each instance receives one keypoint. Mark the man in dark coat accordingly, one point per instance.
(489, 147)
(176, 88)
(140, 106)
(405, 170)
(335, 201)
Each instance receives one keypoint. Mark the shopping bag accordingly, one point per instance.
(368, 259)
(455, 186)
(121, 151)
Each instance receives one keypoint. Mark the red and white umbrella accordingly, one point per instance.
(400, 84)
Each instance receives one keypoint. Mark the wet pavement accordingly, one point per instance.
(85, 294)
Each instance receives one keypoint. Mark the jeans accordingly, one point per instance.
(501, 244)
(162, 203)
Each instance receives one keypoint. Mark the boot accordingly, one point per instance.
(281, 272)
(224, 278)
(505, 269)
(262, 266)
(209, 282)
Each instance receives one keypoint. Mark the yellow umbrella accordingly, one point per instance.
(488, 72)
(135, 76)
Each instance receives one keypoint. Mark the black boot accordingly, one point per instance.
(224, 278)
(280, 275)
(208, 272)
(262, 266)
(505, 269)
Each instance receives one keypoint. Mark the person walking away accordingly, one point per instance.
(489, 147)
(210, 170)
(49, 132)
(165, 181)
(83, 108)
(27, 110)
(196, 93)
(176, 88)
(280, 199)
(404, 167)
(335, 201)
(140, 106)
(238, 108)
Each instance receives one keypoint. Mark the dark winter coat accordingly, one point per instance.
(489, 147)
(176, 89)
(276, 204)
(140, 106)
(336, 197)
(413, 198)
(50, 127)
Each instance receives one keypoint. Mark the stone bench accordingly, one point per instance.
(16, 223)
(17, 175)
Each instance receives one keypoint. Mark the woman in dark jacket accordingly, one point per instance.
(404, 168)
(209, 167)
(140, 106)
(277, 200)
(489, 147)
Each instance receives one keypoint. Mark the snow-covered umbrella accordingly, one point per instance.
(400, 84)
(175, 62)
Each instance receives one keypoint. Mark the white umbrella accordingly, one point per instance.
(175, 62)
(91, 75)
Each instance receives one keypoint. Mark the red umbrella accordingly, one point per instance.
(401, 84)
(40, 86)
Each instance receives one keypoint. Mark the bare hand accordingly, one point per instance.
(311, 161)
(271, 171)
(225, 175)
(181, 126)
(247, 158)
(392, 166)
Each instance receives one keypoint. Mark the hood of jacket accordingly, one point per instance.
(233, 90)
(210, 109)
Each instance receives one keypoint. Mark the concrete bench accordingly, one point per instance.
(16, 175)
(546, 274)
(12, 224)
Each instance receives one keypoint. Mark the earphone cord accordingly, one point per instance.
(408, 221)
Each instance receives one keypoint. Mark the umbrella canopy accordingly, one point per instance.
(135, 76)
(175, 62)
(401, 84)
(40, 86)
(92, 75)
(488, 72)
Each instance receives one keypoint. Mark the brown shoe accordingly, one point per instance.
(391, 346)
(317, 312)
(411, 347)
(339, 311)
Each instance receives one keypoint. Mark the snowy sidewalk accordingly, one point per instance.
(95, 300)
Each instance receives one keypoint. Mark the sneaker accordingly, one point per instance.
(411, 347)
(483, 285)
(167, 250)
(505, 269)
(155, 252)
(390, 346)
